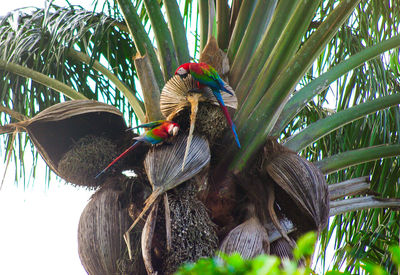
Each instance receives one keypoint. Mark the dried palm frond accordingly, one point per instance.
(176, 97)
(175, 92)
(100, 242)
(215, 57)
(304, 184)
(249, 239)
(57, 129)
(147, 239)
(282, 248)
(163, 163)
(163, 166)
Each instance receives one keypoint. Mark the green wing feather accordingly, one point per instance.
(151, 125)
(211, 73)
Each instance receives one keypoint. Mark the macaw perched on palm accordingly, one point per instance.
(159, 131)
(206, 75)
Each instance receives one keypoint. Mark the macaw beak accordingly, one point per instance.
(175, 130)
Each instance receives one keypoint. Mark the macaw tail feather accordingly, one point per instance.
(227, 116)
(133, 146)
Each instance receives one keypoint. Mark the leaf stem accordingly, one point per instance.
(177, 30)
(165, 45)
(300, 99)
(41, 78)
(140, 38)
(327, 125)
(128, 93)
(346, 159)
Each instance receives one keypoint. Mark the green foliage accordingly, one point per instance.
(264, 264)
(234, 264)
(305, 246)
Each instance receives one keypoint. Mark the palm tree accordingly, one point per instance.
(319, 77)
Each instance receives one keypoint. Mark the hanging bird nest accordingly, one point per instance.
(73, 125)
(100, 243)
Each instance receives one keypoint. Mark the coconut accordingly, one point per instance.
(100, 243)
(59, 128)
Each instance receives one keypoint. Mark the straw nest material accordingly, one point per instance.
(58, 128)
(100, 243)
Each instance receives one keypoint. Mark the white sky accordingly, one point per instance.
(38, 231)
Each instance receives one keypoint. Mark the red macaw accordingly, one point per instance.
(206, 75)
(159, 132)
